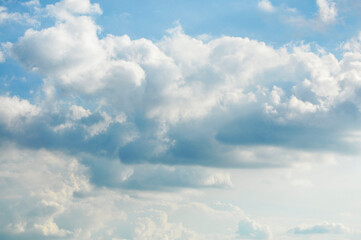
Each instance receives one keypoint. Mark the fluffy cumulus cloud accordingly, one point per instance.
(184, 101)
(78, 61)
(181, 100)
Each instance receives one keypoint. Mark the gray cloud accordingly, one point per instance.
(155, 177)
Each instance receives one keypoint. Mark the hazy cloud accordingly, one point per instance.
(266, 5)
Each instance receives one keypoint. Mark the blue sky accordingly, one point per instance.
(180, 119)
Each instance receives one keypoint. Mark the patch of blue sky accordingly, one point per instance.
(288, 23)
(151, 19)
(16, 81)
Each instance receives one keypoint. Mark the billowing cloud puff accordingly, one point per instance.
(74, 61)
(182, 100)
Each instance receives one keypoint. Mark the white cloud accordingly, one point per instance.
(74, 61)
(326, 15)
(50, 228)
(28, 179)
(353, 45)
(65, 9)
(14, 111)
(250, 229)
(100, 126)
(78, 112)
(266, 5)
(2, 57)
(182, 102)
(324, 228)
(188, 53)
(49, 195)
(327, 11)
(157, 226)
(5, 16)
(300, 106)
(32, 3)
(230, 64)
(181, 86)
(160, 94)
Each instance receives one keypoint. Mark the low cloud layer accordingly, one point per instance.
(49, 195)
